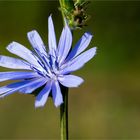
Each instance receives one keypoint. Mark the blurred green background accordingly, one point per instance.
(107, 105)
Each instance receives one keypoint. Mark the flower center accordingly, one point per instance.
(54, 77)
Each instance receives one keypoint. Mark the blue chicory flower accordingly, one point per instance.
(50, 69)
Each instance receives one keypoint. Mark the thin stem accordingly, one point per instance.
(64, 114)
(61, 6)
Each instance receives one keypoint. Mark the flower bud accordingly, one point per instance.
(74, 11)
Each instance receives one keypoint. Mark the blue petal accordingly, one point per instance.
(36, 42)
(42, 97)
(13, 63)
(51, 37)
(33, 87)
(22, 52)
(70, 80)
(14, 87)
(64, 44)
(56, 94)
(81, 45)
(78, 62)
(17, 75)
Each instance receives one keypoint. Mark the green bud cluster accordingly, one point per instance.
(74, 12)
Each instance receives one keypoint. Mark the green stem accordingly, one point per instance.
(61, 6)
(64, 114)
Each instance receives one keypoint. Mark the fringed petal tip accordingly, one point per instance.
(10, 45)
(39, 105)
(2, 96)
(88, 34)
(59, 104)
(70, 81)
(95, 50)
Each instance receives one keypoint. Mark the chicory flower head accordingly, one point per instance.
(49, 70)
